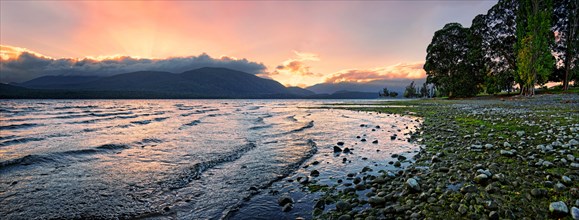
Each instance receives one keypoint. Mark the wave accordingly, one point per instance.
(228, 212)
(261, 127)
(143, 122)
(19, 126)
(308, 125)
(60, 157)
(194, 172)
(161, 118)
(193, 123)
(291, 118)
(77, 106)
(20, 141)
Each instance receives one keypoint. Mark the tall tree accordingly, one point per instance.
(447, 66)
(534, 37)
(565, 26)
(498, 45)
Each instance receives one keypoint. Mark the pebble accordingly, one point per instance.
(337, 149)
(481, 178)
(566, 180)
(315, 173)
(559, 187)
(285, 199)
(412, 184)
(537, 192)
(345, 217)
(558, 208)
(343, 206)
(462, 209)
(287, 207)
(506, 144)
(507, 153)
(575, 213)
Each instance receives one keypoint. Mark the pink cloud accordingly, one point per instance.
(398, 71)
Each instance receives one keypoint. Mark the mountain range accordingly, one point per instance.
(207, 82)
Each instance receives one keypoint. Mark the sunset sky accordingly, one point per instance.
(296, 43)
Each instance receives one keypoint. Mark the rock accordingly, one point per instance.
(488, 146)
(558, 208)
(315, 173)
(401, 157)
(435, 159)
(566, 180)
(284, 199)
(412, 184)
(506, 144)
(486, 172)
(575, 166)
(316, 162)
(481, 178)
(520, 133)
(491, 205)
(559, 187)
(343, 206)
(537, 192)
(379, 180)
(462, 209)
(346, 150)
(376, 201)
(359, 187)
(345, 217)
(375, 142)
(392, 137)
(304, 180)
(348, 190)
(340, 143)
(320, 204)
(494, 215)
(468, 189)
(287, 207)
(570, 157)
(443, 169)
(363, 139)
(397, 164)
(547, 164)
(507, 153)
(337, 149)
(499, 177)
(357, 180)
(575, 213)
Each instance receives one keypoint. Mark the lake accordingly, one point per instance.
(183, 159)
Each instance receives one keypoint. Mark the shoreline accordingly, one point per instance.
(489, 159)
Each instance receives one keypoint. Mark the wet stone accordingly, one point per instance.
(558, 208)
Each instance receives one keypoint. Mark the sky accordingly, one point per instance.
(298, 43)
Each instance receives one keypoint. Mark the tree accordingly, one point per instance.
(385, 92)
(534, 59)
(447, 65)
(424, 90)
(565, 25)
(410, 91)
(498, 45)
(393, 94)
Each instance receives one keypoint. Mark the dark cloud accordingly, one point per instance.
(18, 65)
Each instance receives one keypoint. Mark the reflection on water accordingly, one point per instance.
(172, 158)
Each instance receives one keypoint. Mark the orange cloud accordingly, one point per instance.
(12, 53)
(398, 71)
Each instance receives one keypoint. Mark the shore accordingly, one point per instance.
(508, 158)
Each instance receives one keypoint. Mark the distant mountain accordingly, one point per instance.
(200, 83)
(397, 85)
(52, 82)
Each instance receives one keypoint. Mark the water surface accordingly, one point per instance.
(179, 159)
